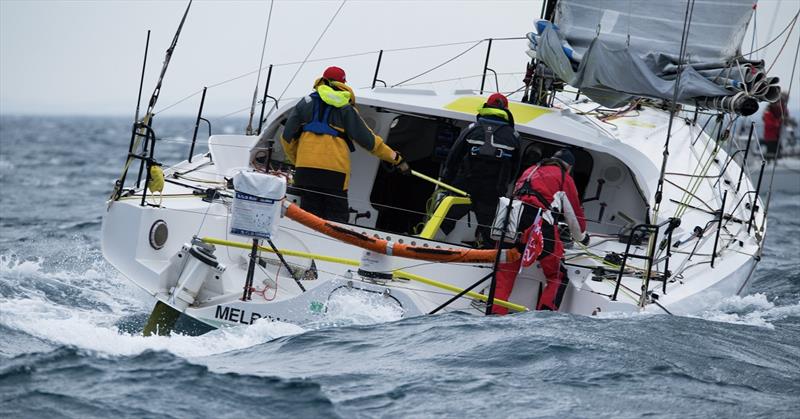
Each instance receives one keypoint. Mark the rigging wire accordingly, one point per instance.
(249, 129)
(440, 65)
(755, 31)
(312, 50)
(771, 25)
(773, 40)
(449, 44)
(665, 155)
(687, 21)
(789, 26)
(777, 151)
(324, 59)
(788, 35)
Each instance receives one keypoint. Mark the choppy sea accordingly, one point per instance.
(69, 347)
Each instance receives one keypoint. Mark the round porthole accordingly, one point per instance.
(158, 234)
(613, 174)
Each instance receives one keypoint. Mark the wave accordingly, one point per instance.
(97, 332)
(751, 310)
(70, 382)
(6, 166)
(85, 305)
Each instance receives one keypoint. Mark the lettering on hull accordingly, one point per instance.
(241, 316)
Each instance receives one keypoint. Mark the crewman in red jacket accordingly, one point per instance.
(538, 187)
(773, 117)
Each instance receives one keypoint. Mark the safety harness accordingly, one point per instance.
(320, 117)
(487, 148)
(527, 188)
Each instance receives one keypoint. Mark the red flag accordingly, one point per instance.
(535, 243)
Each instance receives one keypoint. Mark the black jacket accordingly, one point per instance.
(484, 158)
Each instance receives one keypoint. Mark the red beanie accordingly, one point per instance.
(334, 73)
(497, 100)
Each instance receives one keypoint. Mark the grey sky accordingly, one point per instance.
(84, 57)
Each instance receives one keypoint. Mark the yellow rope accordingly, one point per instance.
(352, 262)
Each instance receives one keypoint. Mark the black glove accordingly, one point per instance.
(401, 164)
(585, 240)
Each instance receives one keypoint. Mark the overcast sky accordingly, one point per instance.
(84, 57)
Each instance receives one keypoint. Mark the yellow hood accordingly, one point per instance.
(337, 96)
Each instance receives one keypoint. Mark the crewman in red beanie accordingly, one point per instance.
(482, 162)
(319, 136)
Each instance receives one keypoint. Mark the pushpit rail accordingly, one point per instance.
(145, 157)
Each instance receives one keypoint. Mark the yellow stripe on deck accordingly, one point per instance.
(523, 113)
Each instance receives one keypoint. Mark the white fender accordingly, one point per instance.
(562, 204)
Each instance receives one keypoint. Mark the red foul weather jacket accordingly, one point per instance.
(547, 180)
(772, 124)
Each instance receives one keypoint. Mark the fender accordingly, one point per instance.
(350, 236)
(562, 204)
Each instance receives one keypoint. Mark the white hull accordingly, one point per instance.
(627, 159)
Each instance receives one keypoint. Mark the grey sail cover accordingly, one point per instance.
(614, 50)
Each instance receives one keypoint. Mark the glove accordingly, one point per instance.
(401, 164)
(585, 240)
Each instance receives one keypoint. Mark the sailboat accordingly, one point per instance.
(675, 222)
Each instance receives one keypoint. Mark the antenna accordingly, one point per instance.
(141, 81)
(157, 90)
(249, 129)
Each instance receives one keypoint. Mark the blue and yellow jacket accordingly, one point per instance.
(318, 137)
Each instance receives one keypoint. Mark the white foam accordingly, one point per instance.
(94, 331)
(613, 315)
(97, 279)
(359, 308)
(12, 267)
(751, 310)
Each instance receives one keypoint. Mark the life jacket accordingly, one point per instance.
(320, 121)
(527, 188)
(490, 139)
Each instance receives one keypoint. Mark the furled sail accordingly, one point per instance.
(616, 50)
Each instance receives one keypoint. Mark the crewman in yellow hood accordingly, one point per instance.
(318, 138)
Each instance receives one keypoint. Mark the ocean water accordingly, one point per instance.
(69, 348)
